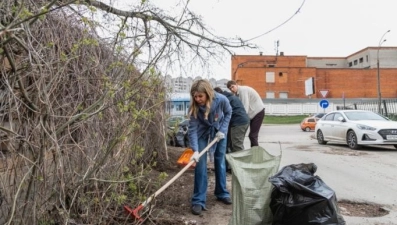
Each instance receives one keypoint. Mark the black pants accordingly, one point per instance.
(255, 126)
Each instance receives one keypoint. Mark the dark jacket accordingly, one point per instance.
(239, 116)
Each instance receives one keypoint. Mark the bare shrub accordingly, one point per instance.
(80, 126)
(82, 118)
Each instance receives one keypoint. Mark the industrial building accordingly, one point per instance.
(285, 76)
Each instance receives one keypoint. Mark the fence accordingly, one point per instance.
(388, 107)
(289, 107)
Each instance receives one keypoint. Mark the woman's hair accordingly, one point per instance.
(202, 86)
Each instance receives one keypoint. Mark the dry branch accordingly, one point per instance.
(81, 116)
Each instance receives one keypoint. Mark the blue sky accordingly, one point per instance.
(321, 27)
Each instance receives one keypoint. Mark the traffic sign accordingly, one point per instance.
(324, 104)
(324, 93)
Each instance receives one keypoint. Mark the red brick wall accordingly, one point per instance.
(291, 73)
(357, 83)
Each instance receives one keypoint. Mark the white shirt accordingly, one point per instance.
(251, 100)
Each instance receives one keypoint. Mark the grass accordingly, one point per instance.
(393, 117)
(284, 119)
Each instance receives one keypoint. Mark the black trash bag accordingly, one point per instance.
(300, 198)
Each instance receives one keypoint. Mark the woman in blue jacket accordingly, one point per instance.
(210, 113)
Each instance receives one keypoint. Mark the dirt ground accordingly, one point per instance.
(172, 206)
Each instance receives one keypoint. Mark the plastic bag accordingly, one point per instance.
(300, 198)
(251, 189)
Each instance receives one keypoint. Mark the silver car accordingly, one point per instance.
(356, 128)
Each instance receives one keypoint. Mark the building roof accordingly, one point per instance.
(180, 97)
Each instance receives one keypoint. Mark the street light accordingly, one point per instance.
(377, 64)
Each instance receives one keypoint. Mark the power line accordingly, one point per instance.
(297, 11)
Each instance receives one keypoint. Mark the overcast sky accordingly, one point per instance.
(320, 27)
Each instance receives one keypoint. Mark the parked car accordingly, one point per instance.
(309, 123)
(319, 115)
(178, 134)
(356, 128)
(173, 121)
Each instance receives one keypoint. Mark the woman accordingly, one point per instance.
(210, 113)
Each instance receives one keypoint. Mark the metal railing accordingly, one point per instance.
(388, 107)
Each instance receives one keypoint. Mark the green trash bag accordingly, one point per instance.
(251, 189)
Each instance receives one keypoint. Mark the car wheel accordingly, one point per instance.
(172, 141)
(352, 140)
(320, 138)
(186, 140)
(307, 129)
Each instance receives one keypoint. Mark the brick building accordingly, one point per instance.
(353, 76)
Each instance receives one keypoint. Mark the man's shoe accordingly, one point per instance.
(196, 209)
(226, 200)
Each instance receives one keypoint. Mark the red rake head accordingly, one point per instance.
(134, 212)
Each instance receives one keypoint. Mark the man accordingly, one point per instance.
(253, 106)
(238, 124)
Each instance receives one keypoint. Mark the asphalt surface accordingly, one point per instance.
(366, 176)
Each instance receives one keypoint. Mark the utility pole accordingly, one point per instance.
(378, 72)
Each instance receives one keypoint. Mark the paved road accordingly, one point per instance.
(367, 175)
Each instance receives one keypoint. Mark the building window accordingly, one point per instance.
(355, 62)
(366, 58)
(270, 94)
(350, 64)
(361, 60)
(270, 77)
(179, 107)
(283, 94)
(330, 64)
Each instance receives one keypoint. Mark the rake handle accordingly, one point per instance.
(178, 174)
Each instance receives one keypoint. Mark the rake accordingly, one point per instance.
(136, 212)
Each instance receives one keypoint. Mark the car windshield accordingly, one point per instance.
(175, 120)
(363, 116)
(319, 115)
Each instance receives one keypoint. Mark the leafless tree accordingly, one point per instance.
(82, 104)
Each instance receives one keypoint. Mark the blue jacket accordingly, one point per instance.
(218, 120)
(239, 115)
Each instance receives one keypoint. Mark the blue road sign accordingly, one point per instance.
(324, 104)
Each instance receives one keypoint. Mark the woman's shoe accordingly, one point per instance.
(227, 200)
(196, 209)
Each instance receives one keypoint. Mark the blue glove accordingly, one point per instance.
(220, 135)
(195, 156)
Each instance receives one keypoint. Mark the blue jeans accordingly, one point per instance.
(200, 173)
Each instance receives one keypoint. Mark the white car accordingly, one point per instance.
(356, 128)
